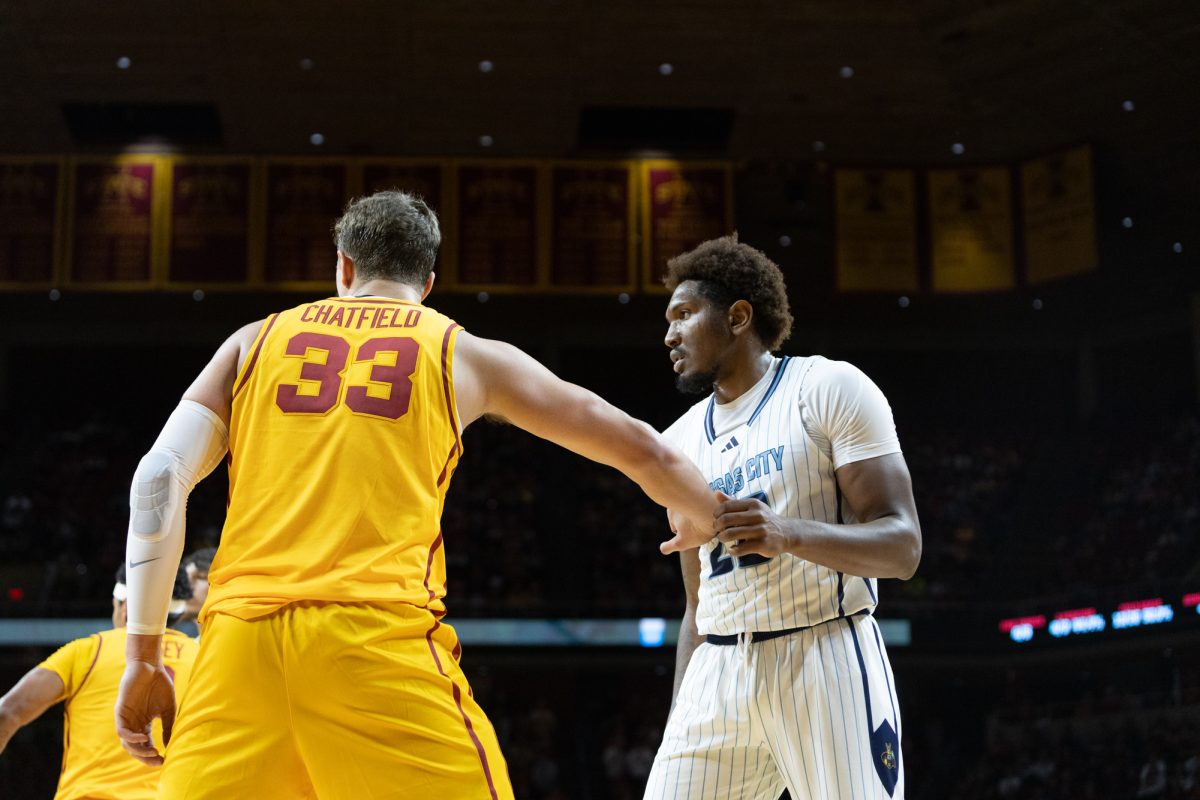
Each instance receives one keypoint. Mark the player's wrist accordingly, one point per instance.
(143, 649)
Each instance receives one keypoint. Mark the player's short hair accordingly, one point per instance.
(725, 271)
(200, 559)
(392, 235)
(182, 590)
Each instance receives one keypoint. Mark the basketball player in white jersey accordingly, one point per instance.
(781, 676)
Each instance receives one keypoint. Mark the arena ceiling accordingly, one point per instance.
(1003, 78)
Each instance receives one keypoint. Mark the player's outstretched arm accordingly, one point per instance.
(27, 700)
(191, 444)
(492, 377)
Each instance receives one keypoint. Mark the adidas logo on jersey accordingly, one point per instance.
(732, 443)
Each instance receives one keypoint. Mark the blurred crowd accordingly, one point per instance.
(532, 530)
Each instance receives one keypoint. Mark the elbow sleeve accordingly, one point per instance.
(191, 444)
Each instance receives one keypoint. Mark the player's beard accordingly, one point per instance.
(697, 383)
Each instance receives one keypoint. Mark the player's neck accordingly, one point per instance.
(385, 288)
(746, 370)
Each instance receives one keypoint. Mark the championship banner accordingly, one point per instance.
(210, 221)
(683, 205)
(592, 244)
(1059, 216)
(876, 230)
(29, 199)
(971, 229)
(424, 179)
(112, 215)
(304, 199)
(497, 225)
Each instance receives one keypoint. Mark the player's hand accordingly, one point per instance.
(688, 534)
(748, 525)
(147, 693)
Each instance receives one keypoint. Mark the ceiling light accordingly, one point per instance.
(785, 241)
(1127, 222)
(904, 301)
(957, 148)
(486, 66)
(1127, 105)
(846, 72)
(1037, 304)
(623, 298)
(1177, 247)
(124, 63)
(317, 139)
(819, 146)
(485, 141)
(306, 64)
(665, 69)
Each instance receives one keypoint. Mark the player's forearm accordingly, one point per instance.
(689, 640)
(889, 547)
(671, 480)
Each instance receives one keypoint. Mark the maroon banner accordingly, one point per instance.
(28, 199)
(684, 207)
(210, 229)
(591, 241)
(303, 202)
(424, 180)
(497, 225)
(112, 226)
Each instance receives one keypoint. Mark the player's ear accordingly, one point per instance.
(428, 285)
(741, 315)
(345, 273)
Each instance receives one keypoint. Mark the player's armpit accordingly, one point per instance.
(213, 387)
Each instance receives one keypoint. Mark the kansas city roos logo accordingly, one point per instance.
(887, 756)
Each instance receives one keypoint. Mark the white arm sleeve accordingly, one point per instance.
(192, 443)
(849, 414)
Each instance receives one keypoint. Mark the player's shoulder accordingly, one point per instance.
(692, 418)
(817, 373)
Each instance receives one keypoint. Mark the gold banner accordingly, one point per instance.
(683, 205)
(876, 230)
(592, 244)
(971, 229)
(1059, 215)
(30, 199)
(114, 204)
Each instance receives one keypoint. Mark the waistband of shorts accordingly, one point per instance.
(762, 636)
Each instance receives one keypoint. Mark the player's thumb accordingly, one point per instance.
(721, 496)
(669, 546)
(168, 723)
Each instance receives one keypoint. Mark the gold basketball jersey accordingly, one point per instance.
(343, 437)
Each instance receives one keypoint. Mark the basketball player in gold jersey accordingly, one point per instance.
(84, 674)
(325, 669)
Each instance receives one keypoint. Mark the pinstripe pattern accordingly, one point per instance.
(797, 476)
(794, 715)
(808, 710)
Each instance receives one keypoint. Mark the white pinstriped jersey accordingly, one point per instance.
(782, 441)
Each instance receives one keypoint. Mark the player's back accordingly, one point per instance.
(94, 765)
(342, 439)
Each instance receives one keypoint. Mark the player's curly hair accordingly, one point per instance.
(726, 271)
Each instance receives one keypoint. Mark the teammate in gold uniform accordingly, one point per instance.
(85, 673)
(325, 668)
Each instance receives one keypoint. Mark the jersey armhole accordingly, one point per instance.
(244, 373)
(96, 657)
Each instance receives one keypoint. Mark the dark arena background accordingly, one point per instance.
(990, 206)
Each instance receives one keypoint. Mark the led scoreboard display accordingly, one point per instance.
(1083, 621)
